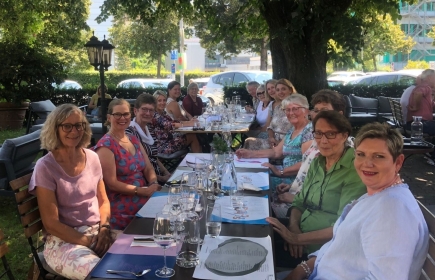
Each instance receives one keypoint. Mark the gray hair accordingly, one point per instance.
(159, 92)
(49, 133)
(426, 73)
(252, 83)
(295, 98)
(191, 85)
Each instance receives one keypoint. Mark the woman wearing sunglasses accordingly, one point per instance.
(128, 174)
(262, 111)
(330, 184)
(72, 199)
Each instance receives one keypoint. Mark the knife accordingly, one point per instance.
(143, 239)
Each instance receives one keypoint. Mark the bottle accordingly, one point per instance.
(229, 176)
(416, 130)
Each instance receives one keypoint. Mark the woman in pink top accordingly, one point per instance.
(68, 183)
(421, 103)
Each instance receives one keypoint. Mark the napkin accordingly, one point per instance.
(250, 187)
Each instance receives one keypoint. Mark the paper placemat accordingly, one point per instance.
(254, 212)
(154, 205)
(250, 162)
(123, 245)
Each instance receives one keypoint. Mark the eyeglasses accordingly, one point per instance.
(68, 127)
(316, 111)
(119, 115)
(260, 93)
(146, 110)
(328, 135)
(294, 110)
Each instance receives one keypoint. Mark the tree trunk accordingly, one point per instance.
(263, 55)
(374, 63)
(159, 65)
(302, 61)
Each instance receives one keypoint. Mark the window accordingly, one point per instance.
(406, 80)
(385, 79)
(226, 79)
(239, 78)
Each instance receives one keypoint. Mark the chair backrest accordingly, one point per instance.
(428, 271)
(3, 250)
(29, 216)
(384, 105)
(363, 104)
(396, 109)
(348, 110)
(17, 156)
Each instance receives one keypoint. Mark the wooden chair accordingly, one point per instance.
(31, 221)
(3, 250)
(428, 271)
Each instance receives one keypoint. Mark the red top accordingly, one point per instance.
(190, 106)
(426, 105)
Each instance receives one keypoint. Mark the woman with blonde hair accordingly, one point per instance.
(68, 183)
(128, 174)
(93, 103)
(277, 124)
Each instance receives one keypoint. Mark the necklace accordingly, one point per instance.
(119, 139)
(397, 182)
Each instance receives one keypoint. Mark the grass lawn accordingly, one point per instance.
(19, 256)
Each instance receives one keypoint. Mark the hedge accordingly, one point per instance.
(91, 79)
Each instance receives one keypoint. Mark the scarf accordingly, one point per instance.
(145, 135)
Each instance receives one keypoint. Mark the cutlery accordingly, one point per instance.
(137, 274)
(143, 239)
(249, 161)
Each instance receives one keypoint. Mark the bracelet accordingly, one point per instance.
(105, 226)
(306, 268)
(281, 172)
(135, 190)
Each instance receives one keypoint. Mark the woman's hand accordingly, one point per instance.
(154, 188)
(272, 168)
(282, 188)
(104, 241)
(288, 236)
(273, 142)
(243, 153)
(286, 197)
(164, 178)
(296, 251)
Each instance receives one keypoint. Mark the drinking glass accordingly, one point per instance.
(174, 195)
(226, 135)
(213, 220)
(163, 232)
(199, 209)
(227, 101)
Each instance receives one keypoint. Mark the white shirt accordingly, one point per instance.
(262, 114)
(404, 101)
(380, 236)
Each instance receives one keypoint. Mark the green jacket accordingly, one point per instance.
(324, 196)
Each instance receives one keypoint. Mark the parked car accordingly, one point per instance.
(68, 84)
(144, 83)
(214, 88)
(343, 77)
(402, 77)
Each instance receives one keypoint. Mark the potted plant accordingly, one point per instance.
(27, 73)
(219, 150)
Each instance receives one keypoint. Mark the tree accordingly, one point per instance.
(136, 39)
(382, 36)
(299, 30)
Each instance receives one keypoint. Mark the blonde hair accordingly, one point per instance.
(263, 89)
(113, 103)
(286, 83)
(49, 133)
(158, 93)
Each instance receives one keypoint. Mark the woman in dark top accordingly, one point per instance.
(144, 109)
(192, 103)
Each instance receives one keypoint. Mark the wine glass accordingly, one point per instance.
(199, 209)
(163, 232)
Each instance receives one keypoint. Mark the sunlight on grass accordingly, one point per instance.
(8, 134)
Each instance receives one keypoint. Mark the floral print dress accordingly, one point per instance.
(166, 139)
(129, 169)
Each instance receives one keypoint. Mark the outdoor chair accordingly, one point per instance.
(398, 119)
(171, 161)
(428, 271)
(17, 157)
(385, 113)
(38, 111)
(3, 250)
(361, 110)
(30, 218)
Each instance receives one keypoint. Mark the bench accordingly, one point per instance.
(428, 271)
(17, 158)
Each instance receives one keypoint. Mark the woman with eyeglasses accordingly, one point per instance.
(128, 174)
(144, 108)
(383, 233)
(68, 183)
(162, 127)
(259, 129)
(295, 143)
(323, 100)
(277, 124)
(330, 184)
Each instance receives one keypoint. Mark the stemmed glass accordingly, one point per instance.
(214, 180)
(163, 232)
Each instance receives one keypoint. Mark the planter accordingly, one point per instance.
(12, 115)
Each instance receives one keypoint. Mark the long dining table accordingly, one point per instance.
(144, 226)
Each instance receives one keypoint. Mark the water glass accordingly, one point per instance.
(174, 195)
(214, 219)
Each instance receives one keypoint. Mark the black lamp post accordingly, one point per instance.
(100, 56)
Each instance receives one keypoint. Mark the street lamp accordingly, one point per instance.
(100, 56)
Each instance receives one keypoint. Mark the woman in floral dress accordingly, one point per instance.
(162, 129)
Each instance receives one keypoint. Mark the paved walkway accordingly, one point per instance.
(420, 177)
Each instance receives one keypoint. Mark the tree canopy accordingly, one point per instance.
(299, 31)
